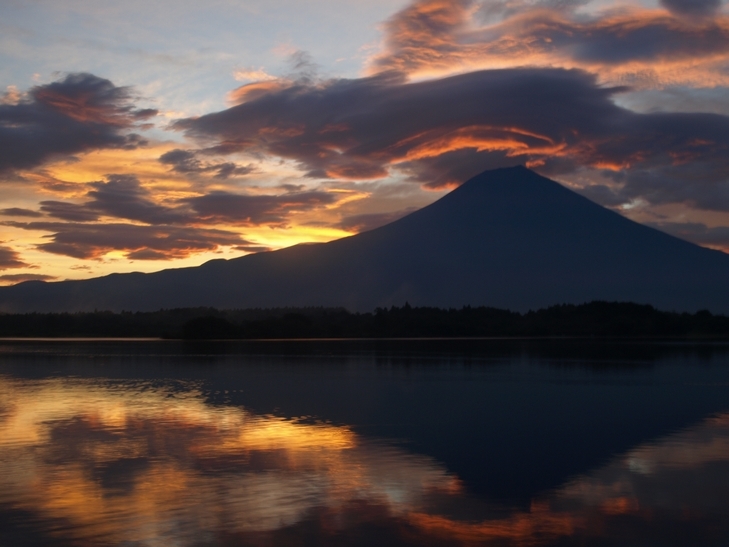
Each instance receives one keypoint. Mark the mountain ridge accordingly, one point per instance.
(506, 238)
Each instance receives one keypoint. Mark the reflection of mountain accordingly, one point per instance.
(138, 465)
(507, 238)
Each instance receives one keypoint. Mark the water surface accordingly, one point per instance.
(153, 443)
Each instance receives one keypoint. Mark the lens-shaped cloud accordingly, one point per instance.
(9, 258)
(440, 132)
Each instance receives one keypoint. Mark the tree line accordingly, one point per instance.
(602, 319)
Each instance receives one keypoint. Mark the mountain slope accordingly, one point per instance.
(506, 238)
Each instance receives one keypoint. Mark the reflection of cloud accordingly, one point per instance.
(130, 462)
(149, 458)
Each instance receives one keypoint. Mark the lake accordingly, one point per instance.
(431, 442)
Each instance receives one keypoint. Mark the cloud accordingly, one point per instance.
(124, 197)
(252, 74)
(240, 209)
(187, 162)
(93, 241)
(68, 211)
(162, 231)
(20, 212)
(120, 196)
(252, 248)
(19, 278)
(692, 7)
(10, 258)
(79, 113)
(696, 232)
(646, 48)
(370, 221)
(439, 132)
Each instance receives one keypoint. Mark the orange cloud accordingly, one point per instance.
(77, 114)
(637, 47)
(10, 258)
(252, 91)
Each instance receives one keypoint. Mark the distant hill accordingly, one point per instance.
(507, 238)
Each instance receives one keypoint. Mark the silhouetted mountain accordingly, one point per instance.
(507, 238)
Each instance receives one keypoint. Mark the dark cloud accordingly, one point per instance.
(604, 195)
(440, 132)
(649, 39)
(187, 162)
(263, 209)
(123, 196)
(692, 7)
(252, 248)
(89, 241)
(82, 112)
(370, 221)
(19, 212)
(357, 128)
(702, 184)
(19, 278)
(696, 232)
(169, 231)
(10, 259)
(450, 168)
(68, 211)
(120, 196)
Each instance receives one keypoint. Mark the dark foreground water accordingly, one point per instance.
(363, 443)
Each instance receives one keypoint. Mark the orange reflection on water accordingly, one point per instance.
(138, 464)
(133, 463)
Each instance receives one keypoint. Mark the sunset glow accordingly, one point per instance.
(125, 148)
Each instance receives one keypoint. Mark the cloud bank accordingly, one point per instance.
(439, 132)
(160, 230)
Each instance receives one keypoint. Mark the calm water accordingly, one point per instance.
(363, 443)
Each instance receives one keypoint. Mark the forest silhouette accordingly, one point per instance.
(598, 318)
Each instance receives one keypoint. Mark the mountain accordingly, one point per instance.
(506, 238)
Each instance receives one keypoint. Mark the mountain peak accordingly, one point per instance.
(513, 180)
(507, 238)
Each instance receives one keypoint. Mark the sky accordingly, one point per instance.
(139, 136)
